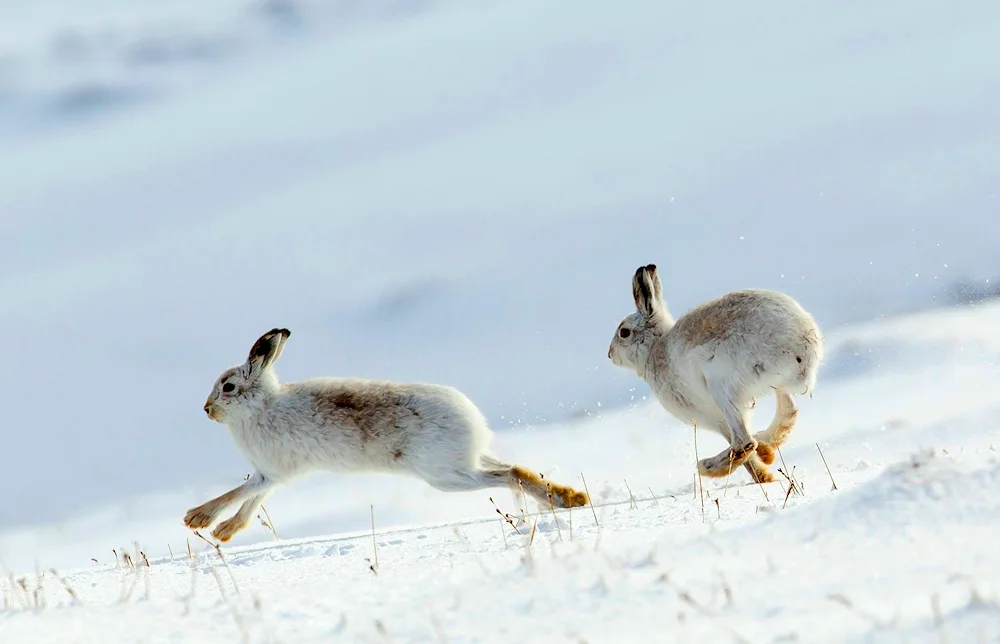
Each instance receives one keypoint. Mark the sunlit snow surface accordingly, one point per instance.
(459, 192)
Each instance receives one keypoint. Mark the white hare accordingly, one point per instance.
(433, 432)
(710, 366)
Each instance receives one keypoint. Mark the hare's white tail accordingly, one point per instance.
(781, 426)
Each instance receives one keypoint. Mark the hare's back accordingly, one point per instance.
(384, 403)
(757, 317)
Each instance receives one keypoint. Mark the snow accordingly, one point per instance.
(459, 192)
(907, 420)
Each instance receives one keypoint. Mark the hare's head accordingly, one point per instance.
(239, 387)
(636, 334)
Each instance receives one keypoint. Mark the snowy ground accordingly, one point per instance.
(459, 191)
(472, 180)
(904, 550)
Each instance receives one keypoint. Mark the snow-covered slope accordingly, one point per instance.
(459, 191)
(908, 420)
(448, 191)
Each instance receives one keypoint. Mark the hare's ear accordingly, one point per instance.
(267, 349)
(646, 290)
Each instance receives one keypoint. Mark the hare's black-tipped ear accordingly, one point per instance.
(267, 349)
(646, 290)
(655, 277)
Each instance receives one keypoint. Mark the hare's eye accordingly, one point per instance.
(228, 387)
(624, 333)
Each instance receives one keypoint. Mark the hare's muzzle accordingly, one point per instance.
(209, 410)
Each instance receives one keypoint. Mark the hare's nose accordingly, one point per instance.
(208, 407)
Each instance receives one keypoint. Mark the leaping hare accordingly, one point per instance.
(710, 366)
(285, 430)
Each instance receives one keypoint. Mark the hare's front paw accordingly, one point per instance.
(199, 517)
(228, 528)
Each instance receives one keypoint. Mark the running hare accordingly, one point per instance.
(710, 366)
(432, 432)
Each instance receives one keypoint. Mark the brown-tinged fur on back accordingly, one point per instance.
(561, 496)
(369, 412)
(374, 414)
(717, 319)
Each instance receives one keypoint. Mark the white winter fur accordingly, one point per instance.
(708, 367)
(285, 430)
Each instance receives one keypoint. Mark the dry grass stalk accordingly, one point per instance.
(792, 487)
(269, 524)
(798, 485)
(726, 590)
(505, 517)
(701, 484)
(222, 557)
(938, 619)
(729, 476)
(128, 590)
(523, 509)
(552, 507)
(39, 592)
(631, 497)
(760, 484)
(590, 499)
(503, 533)
(829, 473)
(374, 566)
(849, 605)
(653, 496)
(534, 526)
(14, 585)
(237, 616)
(171, 551)
(718, 508)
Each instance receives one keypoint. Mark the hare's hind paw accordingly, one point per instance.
(228, 529)
(564, 496)
(765, 452)
(758, 471)
(199, 517)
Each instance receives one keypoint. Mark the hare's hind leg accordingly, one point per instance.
(513, 476)
(785, 415)
(206, 513)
